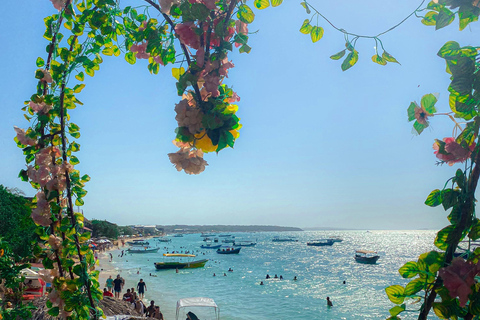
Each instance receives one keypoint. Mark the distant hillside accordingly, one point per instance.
(224, 228)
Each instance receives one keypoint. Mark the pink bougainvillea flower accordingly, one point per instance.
(223, 71)
(191, 161)
(452, 152)
(187, 36)
(47, 77)
(211, 84)
(165, 5)
(188, 116)
(210, 4)
(143, 26)
(458, 278)
(59, 4)
(159, 60)
(54, 242)
(200, 56)
(140, 50)
(241, 27)
(22, 137)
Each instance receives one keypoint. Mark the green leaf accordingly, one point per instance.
(306, 27)
(350, 60)
(449, 49)
(395, 293)
(338, 55)
(316, 34)
(444, 237)
(54, 311)
(378, 59)
(74, 160)
(450, 198)
(80, 76)
(130, 57)
(40, 63)
(474, 233)
(414, 286)
(261, 4)
(397, 310)
(441, 311)
(430, 18)
(245, 14)
(455, 215)
(428, 103)
(23, 175)
(466, 15)
(445, 17)
(245, 48)
(388, 57)
(304, 4)
(79, 202)
(276, 3)
(409, 270)
(108, 51)
(434, 198)
(85, 178)
(411, 111)
(78, 88)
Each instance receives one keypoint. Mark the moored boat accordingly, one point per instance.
(365, 256)
(244, 244)
(180, 264)
(321, 243)
(336, 239)
(142, 249)
(210, 246)
(285, 239)
(138, 242)
(228, 250)
(228, 241)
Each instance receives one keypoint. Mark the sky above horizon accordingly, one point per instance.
(319, 147)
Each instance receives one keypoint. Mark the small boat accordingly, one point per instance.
(365, 256)
(164, 240)
(228, 250)
(138, 242)
(139, 249)
(180, 264)
(215, 240)
(228, 241)
(286, 239)
(225, 235)
(336, 239)
(244, 244)
(321, 243)
(206, 307)
(205, 235)
(178, 235)
(210, 246)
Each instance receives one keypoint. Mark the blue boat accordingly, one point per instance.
(228, 250)
(209, 246)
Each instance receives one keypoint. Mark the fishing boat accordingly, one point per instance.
(164, 240)
(286, 239)
(210, 246)
(365, 256)
(140, 249)
(336, 239)
(180, 264)
(138, 242)
(244, 244)
(321, 243)
(205, 308)
(228, 250)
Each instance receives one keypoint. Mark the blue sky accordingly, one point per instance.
(319, 147)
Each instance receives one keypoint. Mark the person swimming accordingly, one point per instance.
(261, 283)
(268, 276)
(295, 278)
(329, 302)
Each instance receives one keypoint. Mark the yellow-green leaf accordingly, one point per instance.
(316, 34)
(261, 4)
(338, 55)
(350, 60)
(245, 14)
(414, 286)
(276, 3)
(306, 27)
(107, 51)
(377, 59)
(396, 293)
(305, 5)
(80, 76)
(388, 57)
(177, 72)
(78, 88)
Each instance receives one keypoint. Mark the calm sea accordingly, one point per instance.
(320, 272)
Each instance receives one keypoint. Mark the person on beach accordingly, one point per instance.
(111, 257)
(139, 306)
(191, 316)
(128, 296)
(158, 314)
(151, 309)
(107, 293)
(117, 286)
(329, 302)
(134, 294)
(110, 284)
(141, 287)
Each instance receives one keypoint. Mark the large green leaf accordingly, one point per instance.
(409, 269)
(419, 127)
(338, 55)
(261, 4)
(428, 103)
(276, 3)
(455, 215)
(414, 286)
(306, 28)
(316, 34)
(430, 18)
(444, 237)
(441, 310)
(450, 198)
(444, 18)
(449, 49)
(435, 198)
(245, 14)
(395, 311)
(350, 60)
(467, 14)
(411, 110)
(130, 57)
(395, 293)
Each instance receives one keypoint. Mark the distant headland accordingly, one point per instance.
(177, 228)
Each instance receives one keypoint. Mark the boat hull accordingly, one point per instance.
(320, 244)
(367, 260)
(180, 265)
(143, 251)
(210, 247)
(231, 251)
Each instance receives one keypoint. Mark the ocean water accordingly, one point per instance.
(320, 272)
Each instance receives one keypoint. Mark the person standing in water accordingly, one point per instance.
(141, 287)
(329, 302)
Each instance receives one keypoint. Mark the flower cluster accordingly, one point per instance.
(451, 152)
(23, 138)
(459, 277)
(188, 115)
(188, 159)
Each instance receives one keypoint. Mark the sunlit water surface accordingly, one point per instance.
(320, 272)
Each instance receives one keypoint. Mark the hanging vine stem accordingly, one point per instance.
(308, 5)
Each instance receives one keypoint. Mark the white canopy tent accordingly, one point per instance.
(201, 302)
